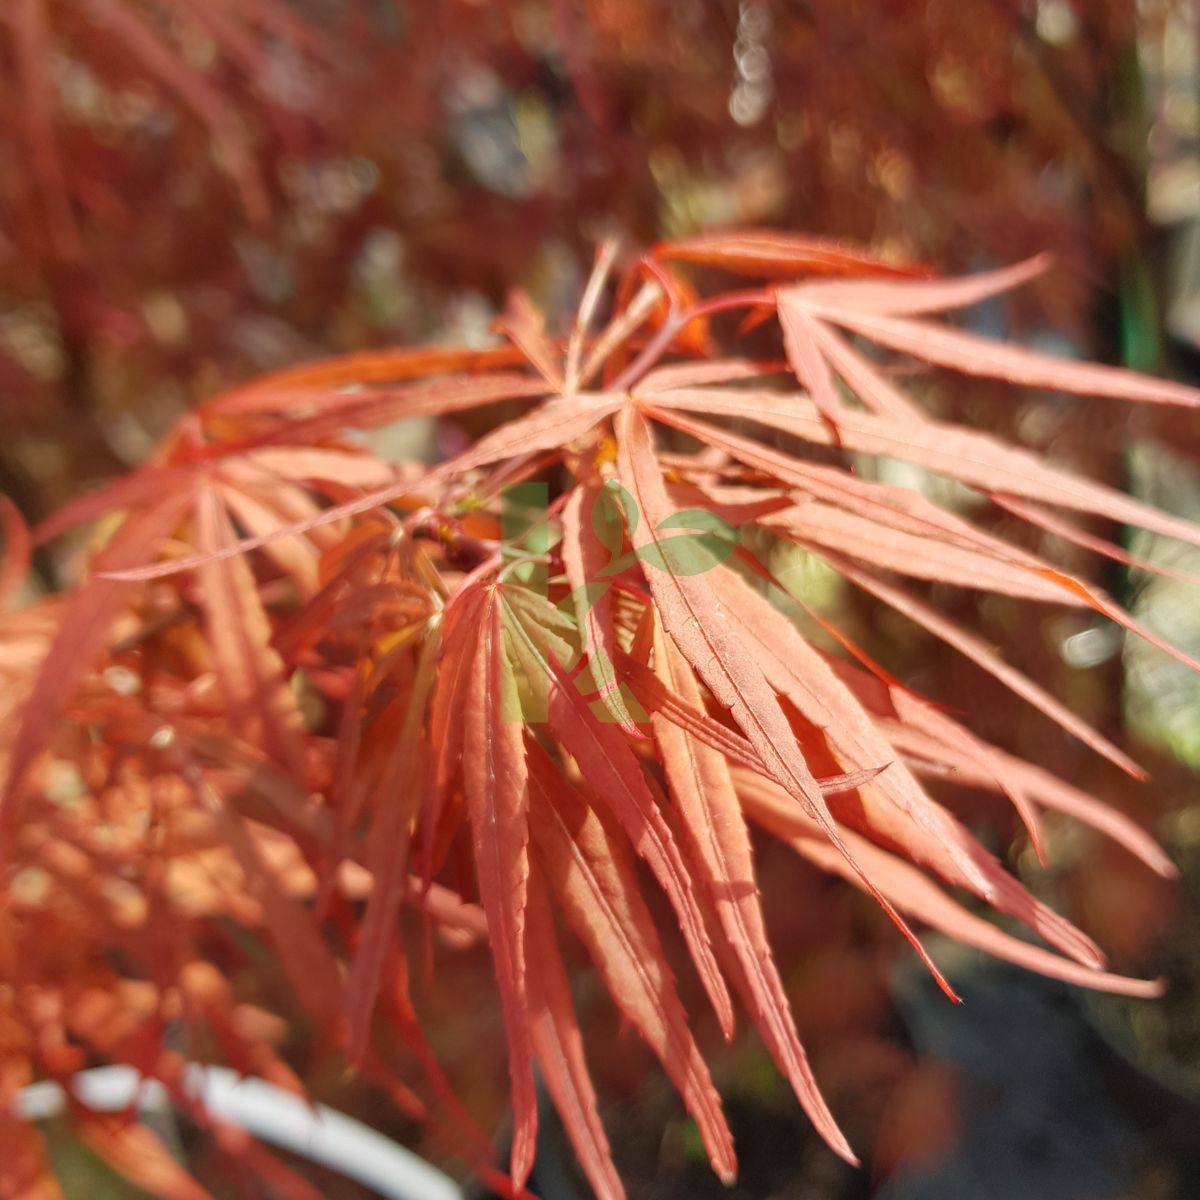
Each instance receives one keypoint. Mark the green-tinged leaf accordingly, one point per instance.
(584, 560)
(710, 541)
(611, 504)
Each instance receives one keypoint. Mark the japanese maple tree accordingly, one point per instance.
(297, 675)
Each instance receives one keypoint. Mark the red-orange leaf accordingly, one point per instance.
(460, 625)
(809, 364)
(972, 458)
(550, 426)
(913, 296)
(972, 647)
(315, 379)
(971, 354)
(697, 622)
(915, 894)
(770, 255)
(396, 801)
(82, 633)
(303, 955)
(25, 1171)
(892, 808)
(591, 875)
(527, 329)
(701, 784)
(988, 767)
(615, 777)
(896, 807)
(496, 789)
(558, 1044)
(250, 671)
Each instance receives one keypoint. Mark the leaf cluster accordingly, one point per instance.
(305, 691)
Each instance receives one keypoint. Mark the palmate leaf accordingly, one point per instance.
(702, 787)
(975, 649)
(971, 458)
(347, 701)
(907, 818)
(974, 763)
(693, 617)
(971, 354)
(589, 870)
(614, 775)
(915, 894)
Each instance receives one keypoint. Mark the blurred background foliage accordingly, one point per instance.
(195, 191)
